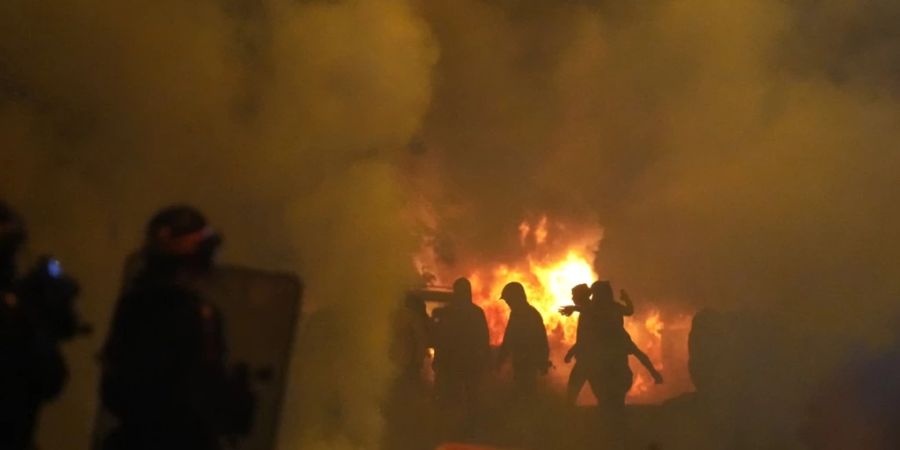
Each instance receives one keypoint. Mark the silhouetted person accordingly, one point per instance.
(408, 405)
(581, 296)
(611, 377)
(744, 366)
(461, 355)
(596, 324)
(411, 339)
(164, 374)
(36, 313)
(525, 339)
(706, 347)
(525, 346)
(609, 314)
(605, 361)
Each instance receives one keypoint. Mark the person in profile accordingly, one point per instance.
(461, 358)
(163, 363)
(524, 341)
(526, 348)
(599, 319)
(581, 297)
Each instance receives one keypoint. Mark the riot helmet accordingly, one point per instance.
(181, 234)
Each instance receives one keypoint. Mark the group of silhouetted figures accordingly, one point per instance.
(167, 382)
(165, 378)
(164, 374)
(458, 333)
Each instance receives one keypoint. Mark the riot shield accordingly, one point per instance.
(259, 311)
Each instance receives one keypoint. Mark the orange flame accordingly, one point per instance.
(548, 275)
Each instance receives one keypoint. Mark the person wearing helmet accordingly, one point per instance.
(163, 373)
(524, 341)
(33, 369)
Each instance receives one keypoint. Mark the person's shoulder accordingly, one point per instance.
(160, 295)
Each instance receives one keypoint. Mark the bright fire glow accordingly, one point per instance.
(548, 274)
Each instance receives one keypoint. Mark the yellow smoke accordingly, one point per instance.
(736, 153)
(284, 121)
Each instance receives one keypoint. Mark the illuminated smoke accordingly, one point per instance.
(284, 121)
(555, 261)
(731, 158)
(739, 154)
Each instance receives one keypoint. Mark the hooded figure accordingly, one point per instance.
(525, 339)
(462, 342)
(461, 358)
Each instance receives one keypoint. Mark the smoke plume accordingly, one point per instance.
(737, 154)
(282, 120)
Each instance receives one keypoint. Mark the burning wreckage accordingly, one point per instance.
(553, 263)
(713, 395)
(732, 378)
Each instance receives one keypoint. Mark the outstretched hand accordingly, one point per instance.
(623, 295)
(568, 310)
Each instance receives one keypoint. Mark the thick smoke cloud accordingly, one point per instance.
(738, 154)
(282, 120)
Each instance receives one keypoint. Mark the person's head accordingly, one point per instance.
(514, 294)
(581, 294)
(462, 291)
(12, 234)
(180, 235)
(601, 292)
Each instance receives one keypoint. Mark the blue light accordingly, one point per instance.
(54, 268)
